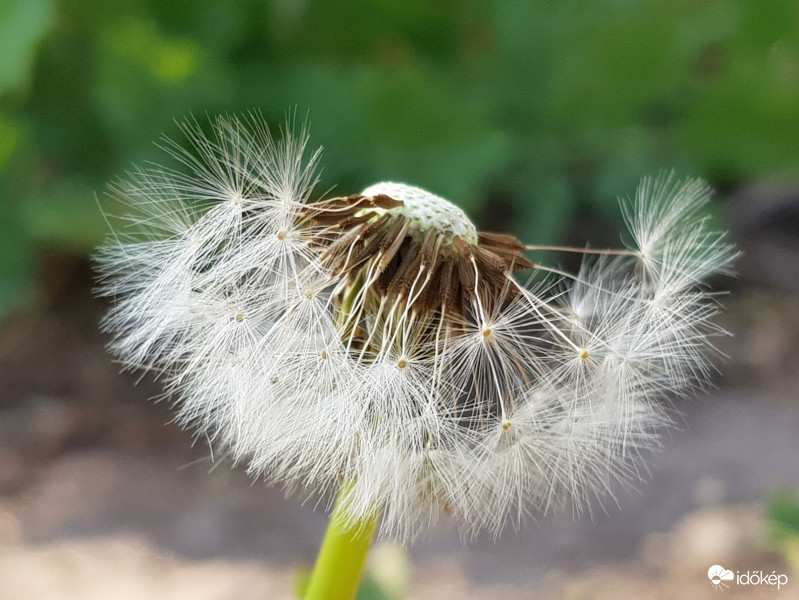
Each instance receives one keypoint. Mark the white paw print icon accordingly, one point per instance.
(718, 575)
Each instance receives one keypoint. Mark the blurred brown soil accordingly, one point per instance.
(100, 492)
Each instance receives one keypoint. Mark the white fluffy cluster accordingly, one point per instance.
(530, 403)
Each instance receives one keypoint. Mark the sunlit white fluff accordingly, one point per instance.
(314, 369)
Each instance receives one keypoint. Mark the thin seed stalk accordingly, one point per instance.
(339, 566)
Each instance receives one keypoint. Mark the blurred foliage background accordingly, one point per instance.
(524, 112)
(533, 115)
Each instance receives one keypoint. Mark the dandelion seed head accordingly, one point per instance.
(380, 339)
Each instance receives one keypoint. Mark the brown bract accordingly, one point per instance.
(363, 239)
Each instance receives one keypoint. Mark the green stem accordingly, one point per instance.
(338, 568)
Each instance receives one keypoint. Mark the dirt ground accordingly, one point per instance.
(101, 496)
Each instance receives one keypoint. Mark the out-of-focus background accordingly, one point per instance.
(534, 117)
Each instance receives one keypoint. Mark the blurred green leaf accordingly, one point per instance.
(15, 259)
(23, 23)
(544, 217)
(783, 521)
(146, 78)
(370, 589)
(783, 514)
(10, 137)
(745, 121)
(525, 113)
(61, 216)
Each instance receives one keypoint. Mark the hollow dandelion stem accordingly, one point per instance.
(338, 568)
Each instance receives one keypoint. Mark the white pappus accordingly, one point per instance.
(379, 339)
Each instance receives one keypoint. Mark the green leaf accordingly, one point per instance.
(783, 514)
(406, 123)
(10, 137)
(65, 215)
(23, 23)
(15, 271)
(783, 520)
(146, 77)
(544, 214)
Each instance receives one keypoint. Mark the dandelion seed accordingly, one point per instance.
(380, 339)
